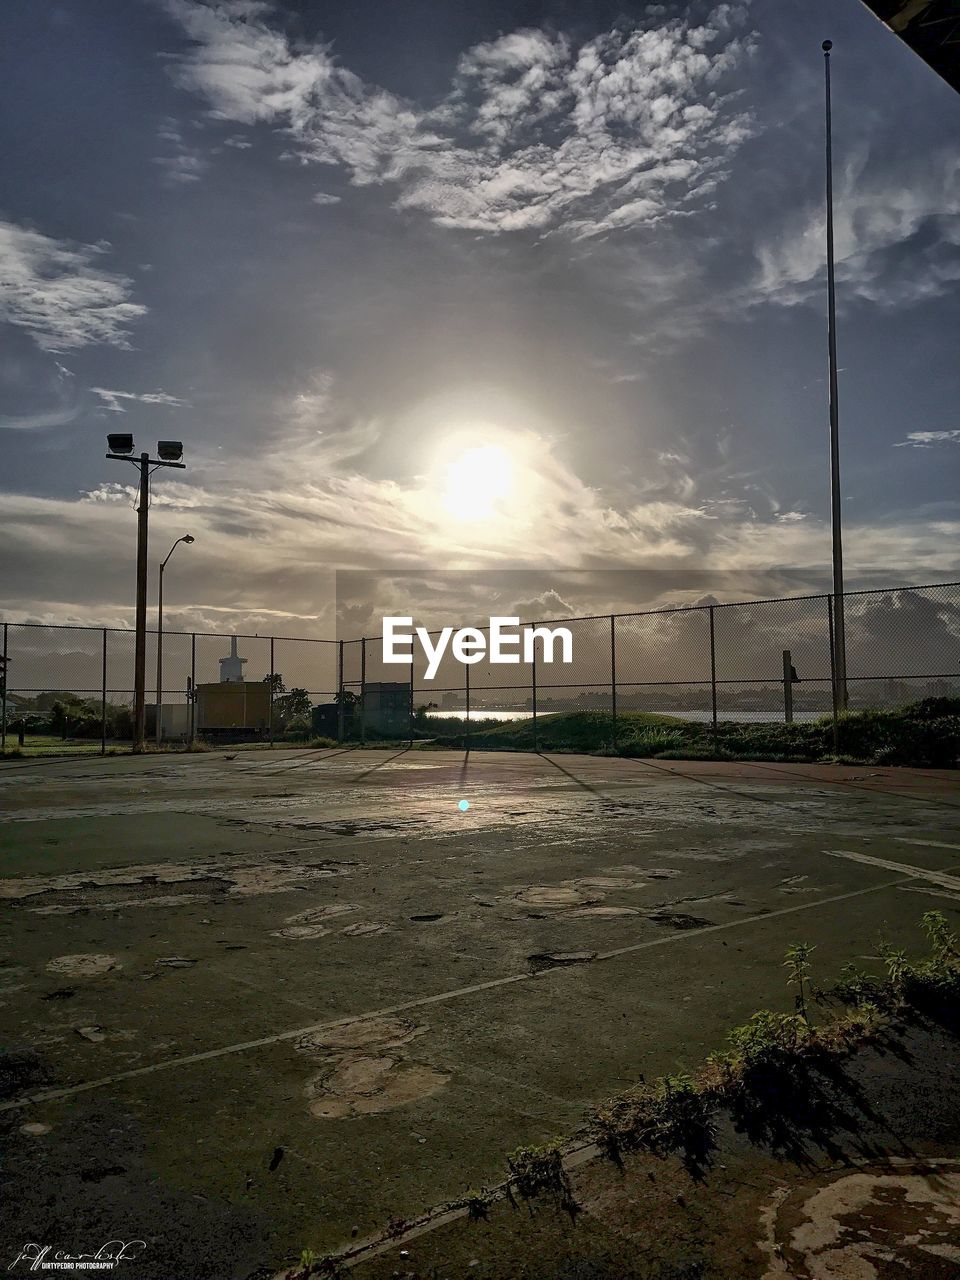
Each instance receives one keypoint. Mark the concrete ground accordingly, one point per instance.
(263, 1002)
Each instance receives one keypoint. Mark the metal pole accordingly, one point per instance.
(713, 676)
(340, 692)
(839, 629)
(833, 679)
(193, 688)
(533, 675)
(272, 681)
(787, 687)
(467, 733)
(363, 691)
(411, 703)
(3, 695)
(159, 728)
(140, 661)
(3, 692)
(103, 696)
(613, 676)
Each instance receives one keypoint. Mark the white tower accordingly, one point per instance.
(231, 668)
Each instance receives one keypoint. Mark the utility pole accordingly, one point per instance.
(188, 538)
(140, 661)
(120, 446)
(839, 639)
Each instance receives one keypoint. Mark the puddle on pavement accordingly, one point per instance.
(365, 1069)
(901, 1219)
(83, 966)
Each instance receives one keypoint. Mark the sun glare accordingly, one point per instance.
(476, 481)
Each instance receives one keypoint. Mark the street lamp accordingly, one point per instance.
(120, 448)
(188, 538)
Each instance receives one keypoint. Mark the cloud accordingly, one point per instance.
(263, 540)
(58, 293)
(535, 134)
(111, 399)
(926, 439)
(182, 164)
(897, 235)
(548, 604)
(41, 418)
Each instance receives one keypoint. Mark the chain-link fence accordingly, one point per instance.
(72, 687)
(754, 661)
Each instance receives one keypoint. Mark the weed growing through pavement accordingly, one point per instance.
(798, 962)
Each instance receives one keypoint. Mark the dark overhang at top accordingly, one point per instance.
(931, 28)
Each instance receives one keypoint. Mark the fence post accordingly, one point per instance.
(533, 685)
(3, 693)
(193, 688)
(103, 696)
(339, 690)
(467, 730)
(713, 678)
(613, 676)
(411, 701)
(270, 711)
(363, 691)
(834, 691)
(787, 687)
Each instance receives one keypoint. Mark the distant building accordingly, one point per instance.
(451, 701)
(232, 668)
(233, 708)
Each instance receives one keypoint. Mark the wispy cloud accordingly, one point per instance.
(927, 439)
(882, 212)
(112, 399)
(181, 163)
(39, 420)
(535, 134)
(59, 293)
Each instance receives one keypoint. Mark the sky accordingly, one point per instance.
(494, 287)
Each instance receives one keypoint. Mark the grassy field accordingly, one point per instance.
(924, 733)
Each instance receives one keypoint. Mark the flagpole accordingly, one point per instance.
(839, 639)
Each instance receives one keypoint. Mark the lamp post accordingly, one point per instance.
(169, 453)
(188, 538)
(838, 639)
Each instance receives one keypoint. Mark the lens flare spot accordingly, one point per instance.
(463, 806)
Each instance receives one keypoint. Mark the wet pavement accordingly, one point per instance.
(207, 961)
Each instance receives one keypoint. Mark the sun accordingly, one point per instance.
(476, 481)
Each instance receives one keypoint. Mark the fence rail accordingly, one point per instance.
(712, 662)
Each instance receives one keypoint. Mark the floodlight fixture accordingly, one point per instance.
(169, 454)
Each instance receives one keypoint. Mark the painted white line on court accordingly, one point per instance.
(441, 997)
(927, 844)
(904, 868)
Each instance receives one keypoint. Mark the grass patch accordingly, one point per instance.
(769, 1076)
(925, 734)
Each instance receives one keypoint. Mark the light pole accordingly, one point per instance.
(169, 452)
(838, 639)
(188, 538)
